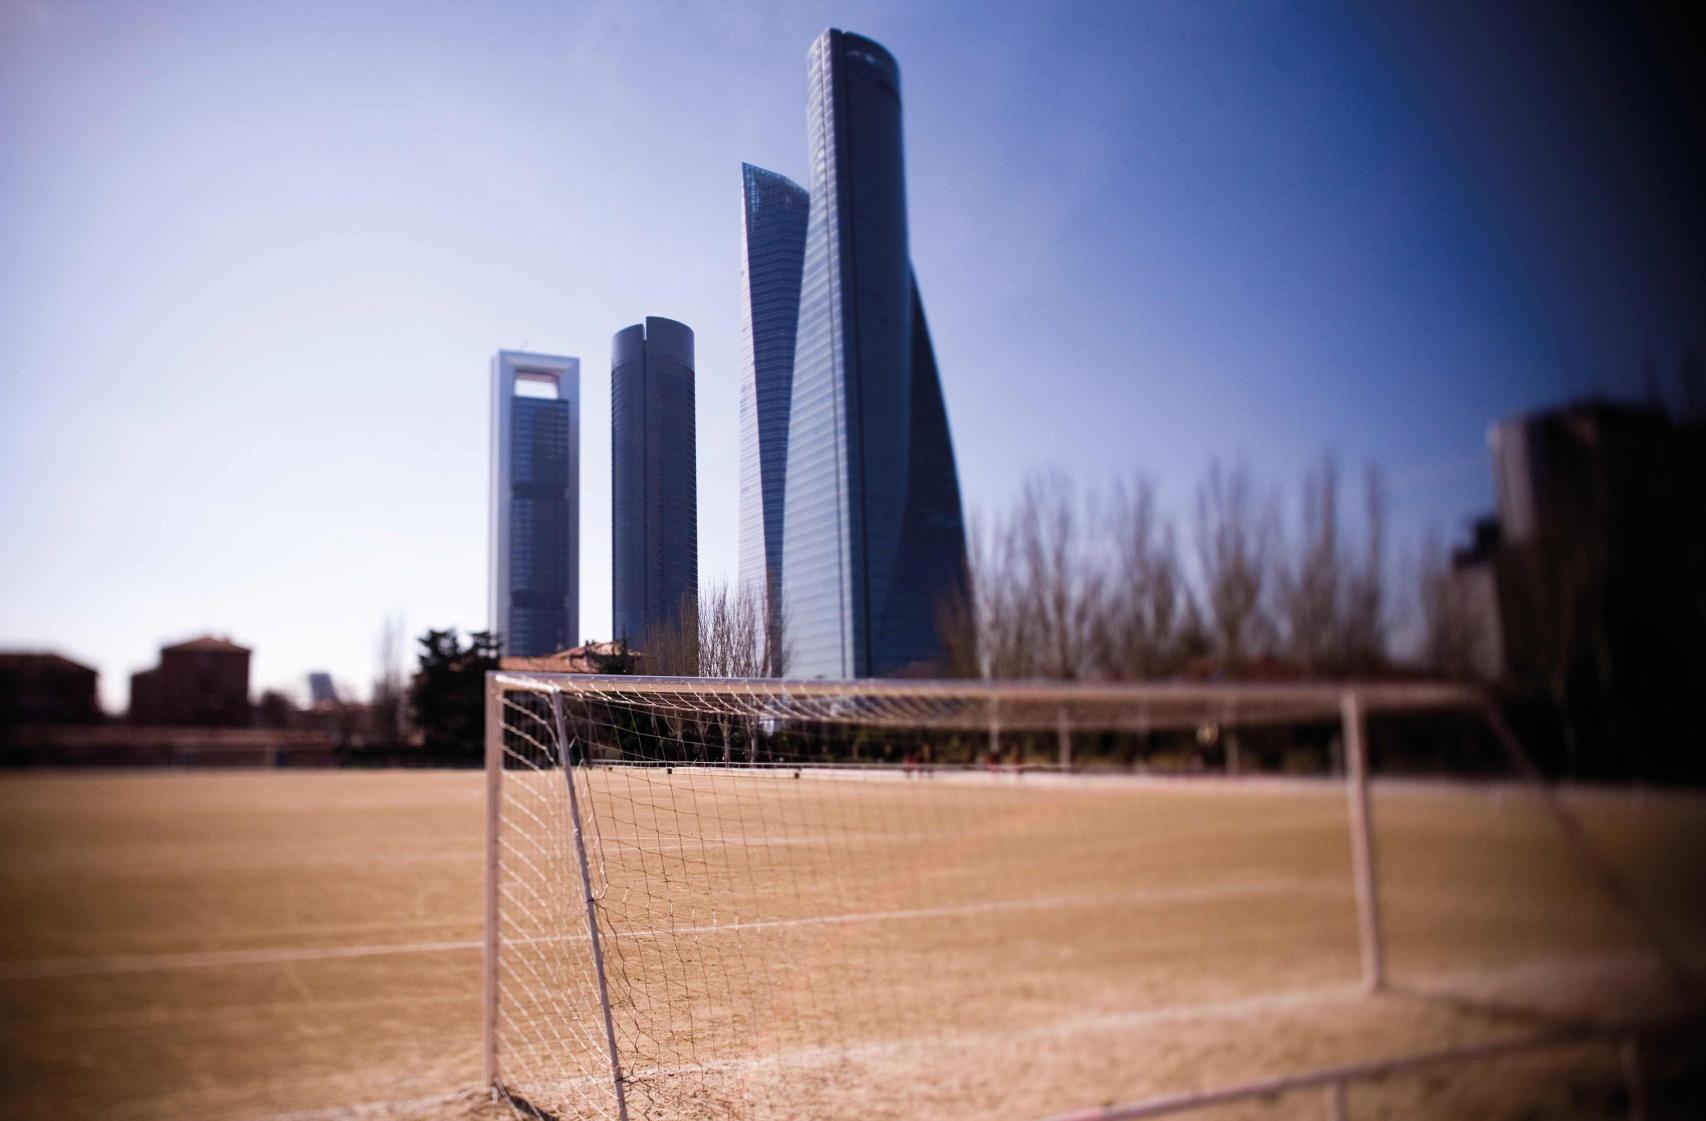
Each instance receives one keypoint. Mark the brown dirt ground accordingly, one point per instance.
(268, 945)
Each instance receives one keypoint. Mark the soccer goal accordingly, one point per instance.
(761, 898)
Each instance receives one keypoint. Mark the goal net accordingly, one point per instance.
(758, 898)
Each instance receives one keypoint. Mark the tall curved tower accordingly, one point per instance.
(873, 534)
(773, 245)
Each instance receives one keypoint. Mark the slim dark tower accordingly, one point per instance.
(873, 536)
(773, 243)
(654, 507)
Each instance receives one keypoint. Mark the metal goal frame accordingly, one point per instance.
(989, 708)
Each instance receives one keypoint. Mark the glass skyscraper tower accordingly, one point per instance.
(873, 538)
(534, 532)
(654, 496)
(773, 243)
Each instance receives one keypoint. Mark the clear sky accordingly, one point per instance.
(255, 259)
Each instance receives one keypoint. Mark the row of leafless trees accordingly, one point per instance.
(1104, 585)
(722, 635)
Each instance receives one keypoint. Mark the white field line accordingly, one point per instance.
(1530, 971)
(147, 963)
(1152, 895)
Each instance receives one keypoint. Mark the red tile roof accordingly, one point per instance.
(39, 662)
(576, 659)
(206, 644)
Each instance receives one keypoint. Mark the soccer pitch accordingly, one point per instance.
(264, 944)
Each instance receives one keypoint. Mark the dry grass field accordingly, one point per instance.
(265, 945)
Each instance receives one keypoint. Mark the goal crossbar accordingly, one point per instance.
(1014, 705)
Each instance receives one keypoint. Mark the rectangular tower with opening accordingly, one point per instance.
(534, 563)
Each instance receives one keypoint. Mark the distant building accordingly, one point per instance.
(773, 248)
(321, 691)
(203, 682)
(654, 482)
(1598, 523)
(533, 576)
(1474, 592)
(43, 688)
(873, 536)
(1598, 570)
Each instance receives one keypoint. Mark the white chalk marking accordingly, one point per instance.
(146, 963)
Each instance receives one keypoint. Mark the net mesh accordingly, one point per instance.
(829, 899)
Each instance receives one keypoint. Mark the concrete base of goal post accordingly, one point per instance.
(494, 791)
(1362, 841)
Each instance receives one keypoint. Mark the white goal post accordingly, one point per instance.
(703, 893)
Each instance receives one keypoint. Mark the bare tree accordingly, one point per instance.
(390, 695)
(1004, 630)
(1234, 548)
(722, 635)
(1309, 578)
(965, 644)
(1145, 610)
(672, 650)
(1363, 620)
(987, 630)
(1060, 582)
(1027, 609)
(1332, 595)
(1070, 587)
(732, 642)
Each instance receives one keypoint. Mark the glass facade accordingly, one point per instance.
(873, 535)
(773, 243)
(535, 516)
(654, 495)
(539, 529)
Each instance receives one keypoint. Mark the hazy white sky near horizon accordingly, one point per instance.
(257, 258)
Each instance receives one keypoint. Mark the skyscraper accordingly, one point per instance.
(534, 563)
(654, 500)
(773, 244)
(873, 539)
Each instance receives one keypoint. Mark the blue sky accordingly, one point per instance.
(257, 258)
